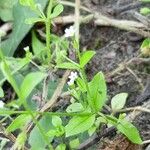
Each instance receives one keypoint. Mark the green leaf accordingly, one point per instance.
(146, 43)
(7, 73)
(92, 130)
(130, 131)
(15, 64)
(68, 65)
(100, 120)
(57, 11)
(145, 11)
(111, 120)
(74, 143)
(29, 83)
(118, 101)
(29, 3)
(81, 84)
(61, 147)
(36, 140)
(33, 20)
(20, 29)
(79, 124)
(19, 122)
(6, 9)
(75, 107)
(56, 121)
(37, 45)
(1, 92)
(98, 91)
(51, 133)
(86, 57)
(26, 2)
(145, 47)
(60, 131)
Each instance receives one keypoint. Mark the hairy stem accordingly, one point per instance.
(48, 27)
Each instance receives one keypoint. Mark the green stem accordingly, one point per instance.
(85, 80)
(71, 61)
(48, 26)
(87, 88)
(45, 113)
(48, 40)
(77, 21)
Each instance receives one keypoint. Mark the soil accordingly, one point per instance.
(114, 47)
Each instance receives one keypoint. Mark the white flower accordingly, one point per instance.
(69, 31)
(26, 48)
(2, 104)
(73, 76)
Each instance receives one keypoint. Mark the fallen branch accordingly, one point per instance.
(128, 25)
(102, 20)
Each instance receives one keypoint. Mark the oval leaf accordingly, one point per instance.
(19, 122)
(145, 11)
(74, 143)
(29, 83)
(118, 101)
(130, 131)
(98, 91)
(85, 58)
(79, 124)
(33, 20)
(37, 45)
(75, 107)
(57, 11)
(56, 121)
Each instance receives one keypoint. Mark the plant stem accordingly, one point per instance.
(77, 19)
(85, 80)
(77, 26)
(45, 113)
(48, 27)
(87, 88)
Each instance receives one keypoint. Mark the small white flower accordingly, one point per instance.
(26, 48)
(69, 31)
(71, 82)
(73, 76)
(2, 104)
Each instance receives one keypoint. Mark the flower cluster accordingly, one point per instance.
(69, 32)
(73, 76)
